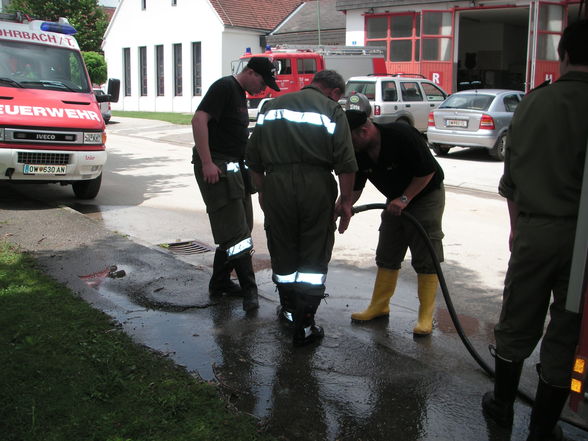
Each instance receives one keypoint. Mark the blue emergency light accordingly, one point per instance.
(247, 51)
(61, 28)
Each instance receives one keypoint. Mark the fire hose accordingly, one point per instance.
(443, 285)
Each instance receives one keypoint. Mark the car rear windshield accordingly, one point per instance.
(473, 101)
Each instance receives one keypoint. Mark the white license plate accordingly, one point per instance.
(44, 169)
(456, 123)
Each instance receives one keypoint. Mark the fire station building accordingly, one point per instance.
(501, 43)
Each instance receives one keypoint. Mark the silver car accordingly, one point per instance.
(406, 98)
(473, 118)
(104, 106)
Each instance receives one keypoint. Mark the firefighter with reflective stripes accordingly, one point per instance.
(298, 141)
(220, 127)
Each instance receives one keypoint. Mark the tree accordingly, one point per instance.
(86, 16)
(96, 65)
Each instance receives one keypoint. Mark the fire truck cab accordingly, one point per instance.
(295, 67)
(51, 128)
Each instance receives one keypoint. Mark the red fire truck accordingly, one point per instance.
(51, 128)
(295, 67)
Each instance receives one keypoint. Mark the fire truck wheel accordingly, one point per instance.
(87, 189)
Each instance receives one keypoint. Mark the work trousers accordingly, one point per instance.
(539, 266)
(299, 203)
(229, 208)
(397, 234)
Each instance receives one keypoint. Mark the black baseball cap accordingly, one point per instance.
(264, 67)
(355, 118)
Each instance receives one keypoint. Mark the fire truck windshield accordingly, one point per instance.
(35, 66)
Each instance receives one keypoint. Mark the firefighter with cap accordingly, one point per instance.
(299, 140)
(396, 159)
(220, 128)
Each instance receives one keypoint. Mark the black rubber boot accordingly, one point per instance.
(306, 331)
(498, 405)
(287, 303)
(549, 402)
(220, 282)
(244, 268)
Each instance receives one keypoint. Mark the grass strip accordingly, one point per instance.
(174, 118)
(70, 373)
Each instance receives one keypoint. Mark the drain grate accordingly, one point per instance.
(187, 248)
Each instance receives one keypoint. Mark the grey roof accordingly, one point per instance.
(306, 18)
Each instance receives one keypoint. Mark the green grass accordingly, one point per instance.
(69, 373)
(175, 118)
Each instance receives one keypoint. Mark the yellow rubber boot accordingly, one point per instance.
(427, 290)
(383, 289)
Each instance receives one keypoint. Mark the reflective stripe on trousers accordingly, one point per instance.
(240, 248)
(298, 277)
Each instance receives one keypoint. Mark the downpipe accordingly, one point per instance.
(446, 296)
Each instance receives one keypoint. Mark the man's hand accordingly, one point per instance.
(396, 206)
(211, 173)
(343, 210)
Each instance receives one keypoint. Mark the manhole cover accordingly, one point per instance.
(190, 247)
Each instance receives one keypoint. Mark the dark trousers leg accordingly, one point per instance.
(220, 281)
(244, 268)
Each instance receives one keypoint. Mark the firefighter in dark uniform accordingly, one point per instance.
(220, 127)
(397, 161)
(542, 181)
(299, 139)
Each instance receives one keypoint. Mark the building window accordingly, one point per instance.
(178, 69)
(397, 34)
(143, 4)
(143, 70)
(436, 38)
(127, 70)
(159, 70)
(196, 68)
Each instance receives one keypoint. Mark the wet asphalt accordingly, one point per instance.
(363, 382)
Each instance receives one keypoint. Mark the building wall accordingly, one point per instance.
(163, 24)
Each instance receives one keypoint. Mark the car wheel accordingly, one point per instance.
(87, 189)
(497, 152)
(440, 149)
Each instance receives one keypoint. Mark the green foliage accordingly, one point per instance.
(85, 15)
(96, 65)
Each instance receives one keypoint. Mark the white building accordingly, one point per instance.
(168, 52)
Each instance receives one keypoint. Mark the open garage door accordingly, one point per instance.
(492, 48)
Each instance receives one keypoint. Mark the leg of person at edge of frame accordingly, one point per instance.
(549, 402)
(499, 404)
(220, 281)
(244, 268)
(287, 304)
(306, 331)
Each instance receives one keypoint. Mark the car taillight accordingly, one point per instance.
(431, 119)
(377, 110)
(486, 122)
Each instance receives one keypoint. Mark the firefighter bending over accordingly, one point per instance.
(398, 162)
(299, 139)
